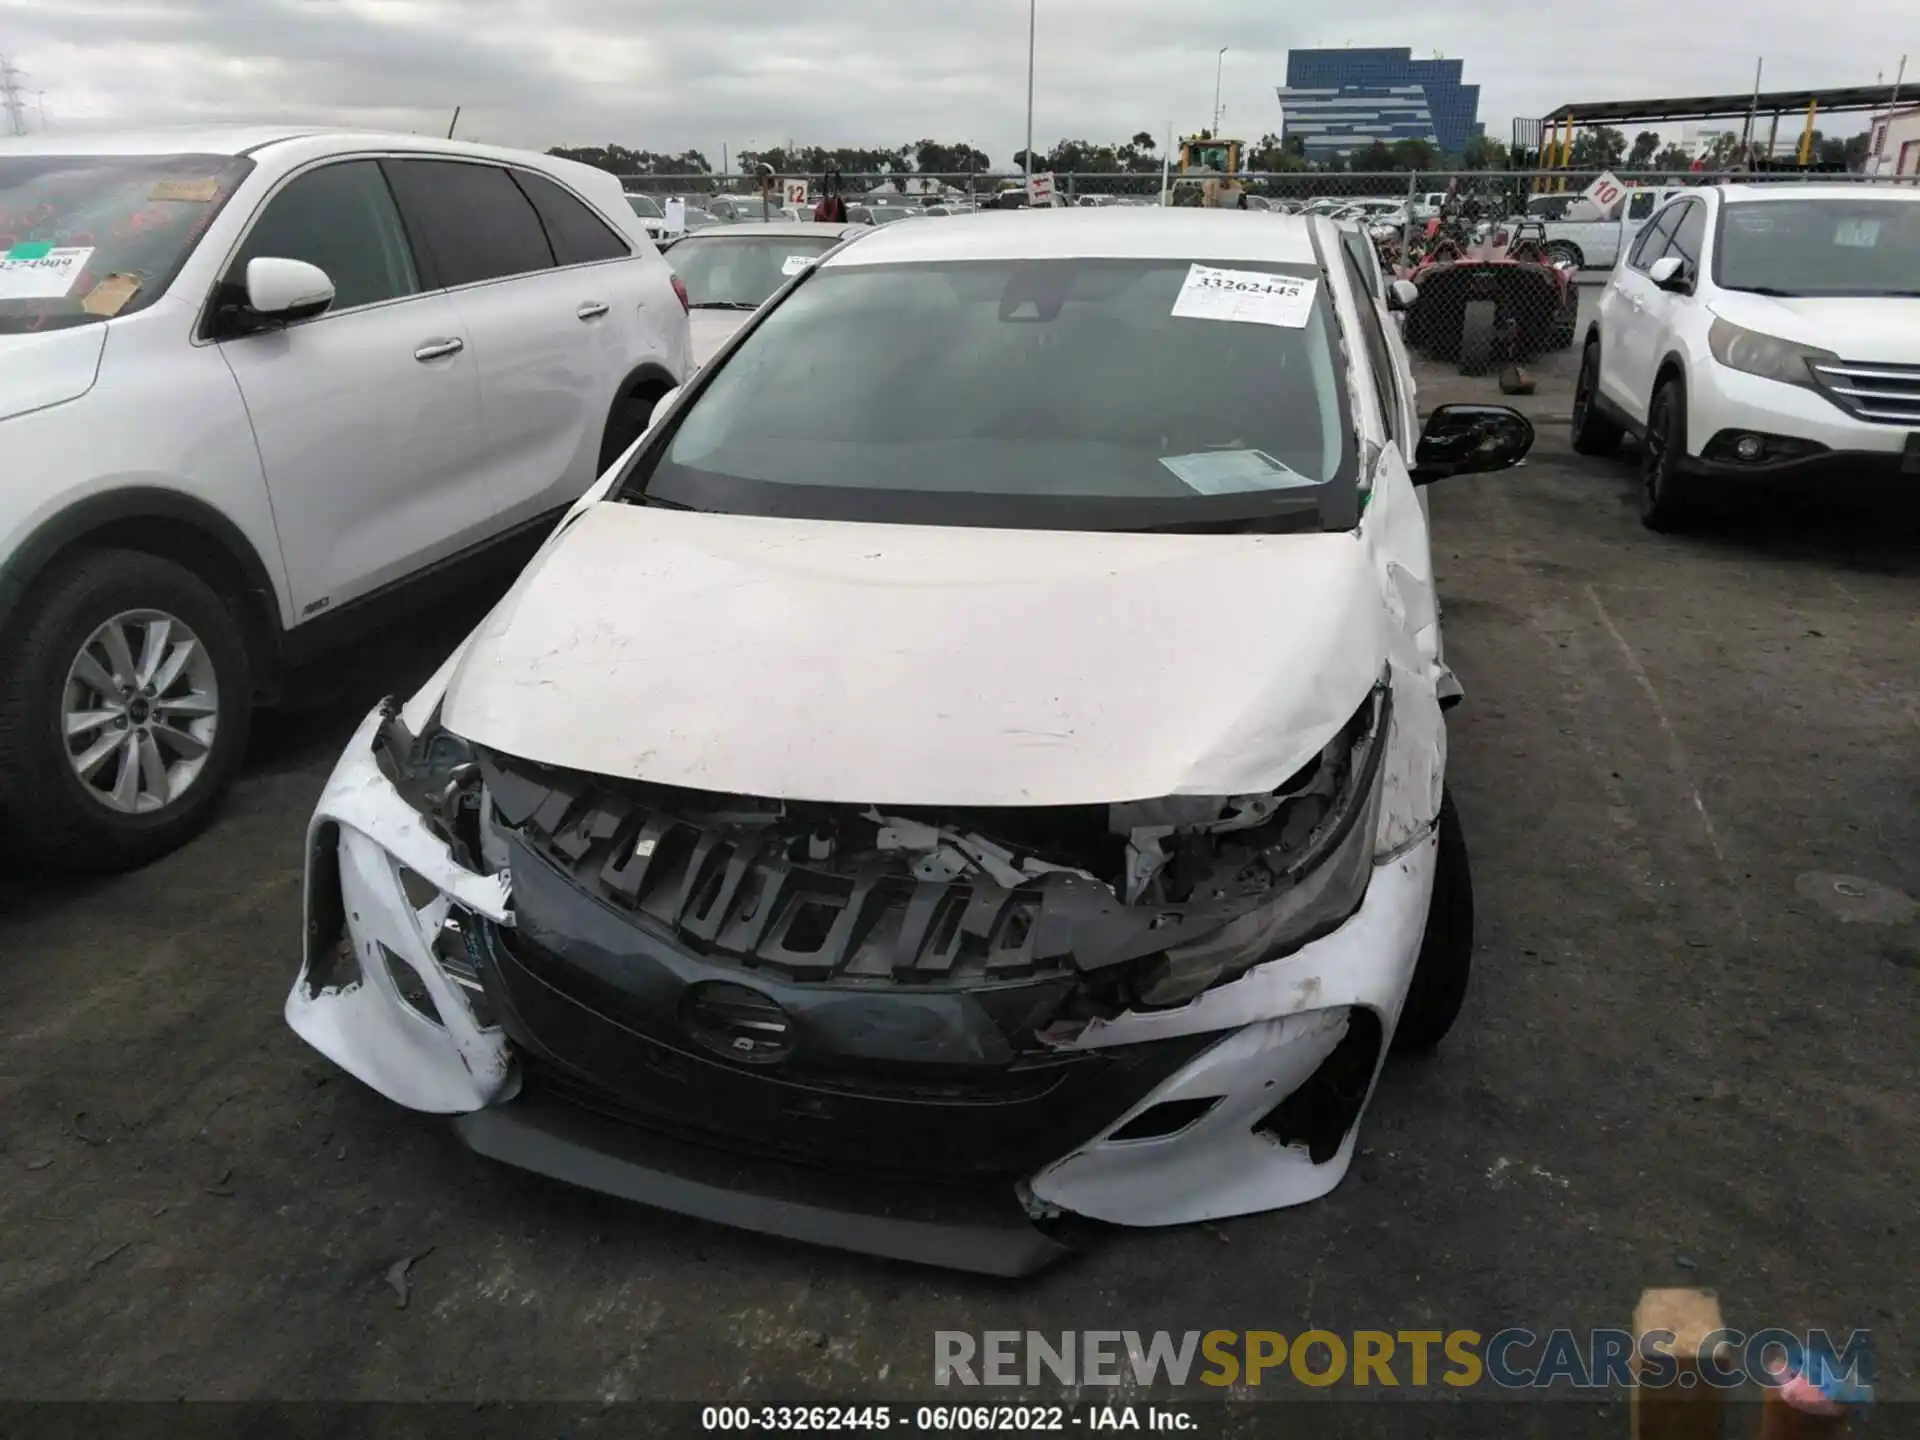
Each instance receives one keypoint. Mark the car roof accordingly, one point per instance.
(252, 139)
(784, 227)
(1814, 190)
(1093, 233)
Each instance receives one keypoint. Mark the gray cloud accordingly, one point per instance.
(674, 74)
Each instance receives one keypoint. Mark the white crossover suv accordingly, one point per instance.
(1760, 333)
(253, 386)
(979, 761)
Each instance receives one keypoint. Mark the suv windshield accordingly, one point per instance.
(736, 269)
(1077, 394)
(86, 237)
(1838, 246)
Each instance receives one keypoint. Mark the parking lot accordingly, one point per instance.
(1687, 1057)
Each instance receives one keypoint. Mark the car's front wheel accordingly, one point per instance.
(1439, 985)
(1666, 497)
(124, 710)
(1593, 433)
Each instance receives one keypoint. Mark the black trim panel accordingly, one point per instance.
(982, 1231)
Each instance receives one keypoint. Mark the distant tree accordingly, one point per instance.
(1413, 155)
(1370, 158)
(1645, 146)
(1673, 157)
(1482, 152)
(1598, 148)
(931, 157)
(1723, 149)
(1142, 141)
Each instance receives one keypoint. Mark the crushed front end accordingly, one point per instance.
(934, 1035)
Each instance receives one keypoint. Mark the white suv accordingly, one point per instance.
(1757, 333)
(252, 385)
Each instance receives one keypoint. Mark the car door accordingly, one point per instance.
(1626, 376)
(1681, 234)
(542, 336)
(367, 417)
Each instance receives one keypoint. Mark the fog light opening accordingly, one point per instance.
(1750, 447)
(413, 990)
(1320, 1113)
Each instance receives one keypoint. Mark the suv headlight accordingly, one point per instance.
(1767, 356)
(1321, 862)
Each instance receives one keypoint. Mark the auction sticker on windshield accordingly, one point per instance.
(1233, 472)
(1857, 234)
(794, 264)
(40, 272)
(1248, 296)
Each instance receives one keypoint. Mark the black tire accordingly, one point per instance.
(1477, 320)
(632, 413)
(1666, 493)
(47, 812)
(1593, 433)
(1567, 251)
(1439, 985)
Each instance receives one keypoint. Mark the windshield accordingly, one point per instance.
(1081, 394)
(646, 207)
(736, 271)
(86, 237)
(1835, 246)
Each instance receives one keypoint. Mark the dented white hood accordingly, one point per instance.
(923, 665)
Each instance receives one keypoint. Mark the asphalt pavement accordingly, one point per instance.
(1688, 776)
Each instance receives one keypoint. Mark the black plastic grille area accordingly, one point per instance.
(729, 893)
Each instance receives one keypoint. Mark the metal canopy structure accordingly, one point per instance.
(1844, 99)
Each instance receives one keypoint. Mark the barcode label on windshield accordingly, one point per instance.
(40, 272)
(1249, 297)
(794, 264)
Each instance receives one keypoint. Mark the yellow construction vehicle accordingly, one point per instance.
(1204, 154)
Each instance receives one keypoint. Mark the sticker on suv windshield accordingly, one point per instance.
(1251, 297)
(1857, 234)
(38, 272)
(195, 191)
(1234, 472)
(794, 264)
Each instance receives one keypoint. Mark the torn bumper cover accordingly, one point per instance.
(931, 1036)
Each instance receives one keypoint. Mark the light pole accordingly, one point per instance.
(1218, 61)
(1027, 157)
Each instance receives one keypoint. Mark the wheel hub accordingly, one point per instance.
(139, 711)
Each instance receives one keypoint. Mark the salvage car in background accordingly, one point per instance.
(253, 384)
(730, 271)
(979, 762)
(1759, 334)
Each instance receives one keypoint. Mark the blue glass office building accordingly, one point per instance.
(1339, 101)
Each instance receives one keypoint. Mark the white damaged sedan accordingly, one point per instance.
(974, 766)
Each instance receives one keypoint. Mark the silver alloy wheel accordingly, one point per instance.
(139, 711)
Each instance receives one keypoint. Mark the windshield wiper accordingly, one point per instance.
(723, 305)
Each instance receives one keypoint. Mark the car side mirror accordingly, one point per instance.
(662, 405)
(1470, 440)
(1669, 273)
(281, 289)
(1401, 294)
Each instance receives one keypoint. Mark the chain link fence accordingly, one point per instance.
(1504, 261)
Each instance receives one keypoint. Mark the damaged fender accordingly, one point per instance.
(1282, 1021)
(347, 1003)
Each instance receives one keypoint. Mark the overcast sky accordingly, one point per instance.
(672, 74)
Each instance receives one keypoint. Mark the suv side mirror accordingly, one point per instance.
(287, 290)
(1401, 294)
(1470, 440)
(1669, 273)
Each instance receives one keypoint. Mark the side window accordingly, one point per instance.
(1653, 240)
(1379, 353)
(578, 236)
(1640, 204)
(1690, 235)
(472, 221)
(343, 219)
